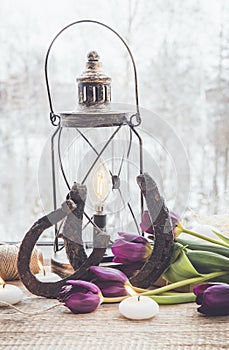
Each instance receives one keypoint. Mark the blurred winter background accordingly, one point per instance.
(181, 50)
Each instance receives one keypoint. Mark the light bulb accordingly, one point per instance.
(101, 186)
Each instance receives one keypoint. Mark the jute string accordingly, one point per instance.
(3, 303)
(8, 261)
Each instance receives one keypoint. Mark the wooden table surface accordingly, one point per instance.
(175, 327)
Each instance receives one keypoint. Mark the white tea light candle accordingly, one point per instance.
(9, 294)
(138, 308)
(48, 277)
(44, 276)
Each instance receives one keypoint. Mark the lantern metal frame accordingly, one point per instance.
(92, 118)
(72, 209)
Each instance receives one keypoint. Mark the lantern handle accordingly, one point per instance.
(53, 116)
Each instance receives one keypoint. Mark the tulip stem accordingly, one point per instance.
(137, 289)
(193, 280)
(199, 235)
(162, 299)
(114, 300)
(177, 298)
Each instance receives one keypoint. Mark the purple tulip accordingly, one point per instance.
(131, 269)
(110, 281)
(131, 248)
(146, 224)
(213, 298)
(80, 296)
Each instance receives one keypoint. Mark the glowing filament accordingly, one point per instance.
(101, 183)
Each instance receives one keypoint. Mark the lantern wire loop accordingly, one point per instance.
(54, 118)
(138, 120)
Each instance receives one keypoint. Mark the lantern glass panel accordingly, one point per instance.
(107, 176)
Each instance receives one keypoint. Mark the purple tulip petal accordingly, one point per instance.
(114, 291)
(111, 289)
(130, 269)
(128, 252)
(146, 224)
(88, 286)
(199, 299)
(131, 237)
(65, 293)
(199, 291)
(174, 218)
(83, 303)
(202, 287)
(80, 296)
(117, 260)
(107, 273)
(215, 301)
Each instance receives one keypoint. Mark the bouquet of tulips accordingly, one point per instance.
(192, 263)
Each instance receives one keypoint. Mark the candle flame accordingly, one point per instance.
(130, 291)
(2, 282)
(41, 267)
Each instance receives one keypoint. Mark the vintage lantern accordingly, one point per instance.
(99, 185)
(104, 135)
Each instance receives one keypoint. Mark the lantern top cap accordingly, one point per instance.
(94, 72)
(93, 56)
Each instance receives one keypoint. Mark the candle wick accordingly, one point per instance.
(139, 298)
(44, 272)
(3, 286)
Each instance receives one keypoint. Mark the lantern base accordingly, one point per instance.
(61, 266)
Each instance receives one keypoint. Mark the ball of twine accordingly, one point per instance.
(8, 261)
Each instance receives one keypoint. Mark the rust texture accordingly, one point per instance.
(94, 97)
(94, 86)
(93, 119)
(163, 242)
(72, 228)
(52, 289)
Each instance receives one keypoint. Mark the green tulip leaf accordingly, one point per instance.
(222, 279)
(222, 237)
(180, 269)
(177, 249)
